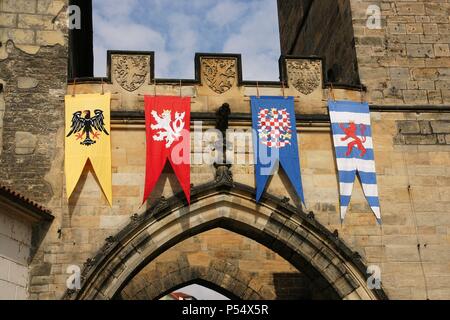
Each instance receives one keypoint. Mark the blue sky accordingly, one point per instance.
(176, 29)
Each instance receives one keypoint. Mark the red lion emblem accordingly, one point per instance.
(350, 133)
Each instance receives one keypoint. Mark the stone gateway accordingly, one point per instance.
(224, 240)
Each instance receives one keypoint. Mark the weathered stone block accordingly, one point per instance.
(408, 127)
(415, 96)
(31, 21)
(43, 269)
(434, 96)
(425, 127)
(51, 7)
(444, 28)
(420, 139)
(400, 73)
(7, 20)
(420, 50)
(447, 138)
(426, 84)
(410, 9)
(440, 126)
(430, 28)
(441, 50)
(425, 73)
(444, 73)
(27, 83)
(446, 95)
(437, 8)
(397, 28)
(414, 28)
(49, 38)
(27, 6)
(21, 36)
(39, 289)
(25, 143)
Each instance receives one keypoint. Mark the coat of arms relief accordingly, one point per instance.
(305, 76)
(220, 74)
(130, 71)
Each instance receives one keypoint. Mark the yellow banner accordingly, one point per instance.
(88, 137)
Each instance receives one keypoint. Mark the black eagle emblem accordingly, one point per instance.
(87, 125)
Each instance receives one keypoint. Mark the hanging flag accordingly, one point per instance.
(352, 135)
(275, 141)
(88, 138)
(167, 121)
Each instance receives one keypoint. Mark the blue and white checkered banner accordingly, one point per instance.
(275, 141)
(352, 135)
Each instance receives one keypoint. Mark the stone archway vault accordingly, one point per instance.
(291, 233)
(225, 261)
(219, 276)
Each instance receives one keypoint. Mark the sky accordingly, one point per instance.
(202, 293)
(176, 29)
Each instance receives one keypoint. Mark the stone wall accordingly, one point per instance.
(414, 186)
(15, 245)
(423, 132)
(33, 71)
(34, 95)
(413, 181)
(321, 28)
(31, 24)
(412, 248)
(33, 68)
(407, 61)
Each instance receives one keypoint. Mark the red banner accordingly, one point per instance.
(167, 121)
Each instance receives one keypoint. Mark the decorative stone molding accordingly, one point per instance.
(130, 71)
(304, 75)
(220, 74)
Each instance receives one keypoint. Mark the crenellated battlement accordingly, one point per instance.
(218, 79)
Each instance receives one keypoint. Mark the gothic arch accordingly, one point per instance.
(219, 276)
(294, 235)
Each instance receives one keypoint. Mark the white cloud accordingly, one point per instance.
(226, 12)
(122, 35)
(176, 30)
(115, 9)
(255, 40)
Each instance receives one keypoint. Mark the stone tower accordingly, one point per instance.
(224, 240)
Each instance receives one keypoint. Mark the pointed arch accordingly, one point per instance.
(286, 230)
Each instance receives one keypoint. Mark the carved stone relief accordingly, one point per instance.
(130, 71)
(304, 75)
(220, 74)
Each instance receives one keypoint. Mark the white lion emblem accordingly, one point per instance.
(171, 130)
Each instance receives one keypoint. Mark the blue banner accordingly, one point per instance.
(352, 136)
(275, 141)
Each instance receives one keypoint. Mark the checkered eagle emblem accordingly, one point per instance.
(274, 127)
